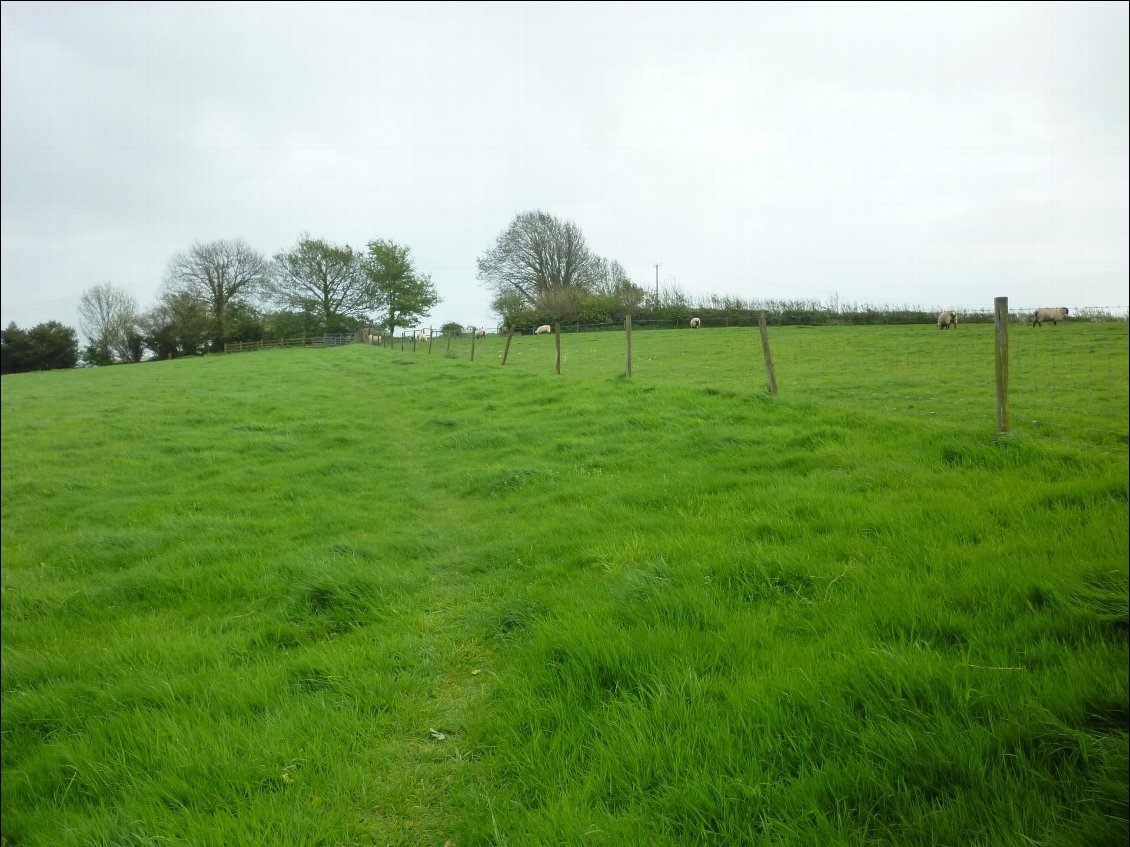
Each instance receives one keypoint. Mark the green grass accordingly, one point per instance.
(365, 596)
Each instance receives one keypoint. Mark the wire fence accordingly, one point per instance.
(325, 340)
(819, 317)
(1066, 381)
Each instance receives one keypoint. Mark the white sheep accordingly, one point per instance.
(420, 338)
(1053, 315)
(480, 333)
(544, 329)
(696, 323)
(947, 319)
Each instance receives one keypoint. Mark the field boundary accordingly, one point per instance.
(306, 341)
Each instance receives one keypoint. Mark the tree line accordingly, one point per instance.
(221, 291)
(540, 270)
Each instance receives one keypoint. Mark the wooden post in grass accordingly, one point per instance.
(402, 344)
(557, 329)
(506, 350)
(768, 355)
(473, 334)
(1000, 320)
(450, 335)
(628, 335)
(430, 337)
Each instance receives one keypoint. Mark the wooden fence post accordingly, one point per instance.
(473, 346)
(430, 337)
(557, 329)
(449, 337)
(768, 355)
(506, 350)
(1000, 319)
(628, 335)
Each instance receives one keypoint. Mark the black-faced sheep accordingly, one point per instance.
(480, 333)
(1054, 315)
(696, 323)
(947, 319)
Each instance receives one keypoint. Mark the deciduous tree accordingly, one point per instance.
(536, 254)
(108, 318)
(324, 279)
(218, 274)
(179, 325)
(46, 346)
(401, 293)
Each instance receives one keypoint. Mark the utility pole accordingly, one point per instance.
(657, 285)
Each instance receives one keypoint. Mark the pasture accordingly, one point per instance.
(360, 596)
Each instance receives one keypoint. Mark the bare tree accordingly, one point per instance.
(536, 254)
(218, 273)
(324, 279)
(612, 281)
(108, 318)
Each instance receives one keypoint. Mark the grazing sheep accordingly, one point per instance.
(947, 319)
(420, 338)
(544, 329)
(1053, 315)
(696, 323)
(480, 333)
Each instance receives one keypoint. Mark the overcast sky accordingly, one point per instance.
(887, 154)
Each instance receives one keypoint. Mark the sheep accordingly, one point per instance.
(420, 338)
(544, 329)
(696, 323)
(480, 333)
(1053, 315)
(947, 319)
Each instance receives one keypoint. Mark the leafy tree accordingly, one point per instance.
(453, 329)
(15, 350)
(96, 355)
(511, 306)
(245, 322)
(46, 346)
(293, 324)
(179, 325)
(135, 343)
(322, 278)
(218, 274)
(108, 317)
(401, 293)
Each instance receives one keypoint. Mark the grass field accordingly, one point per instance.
(360, 596)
